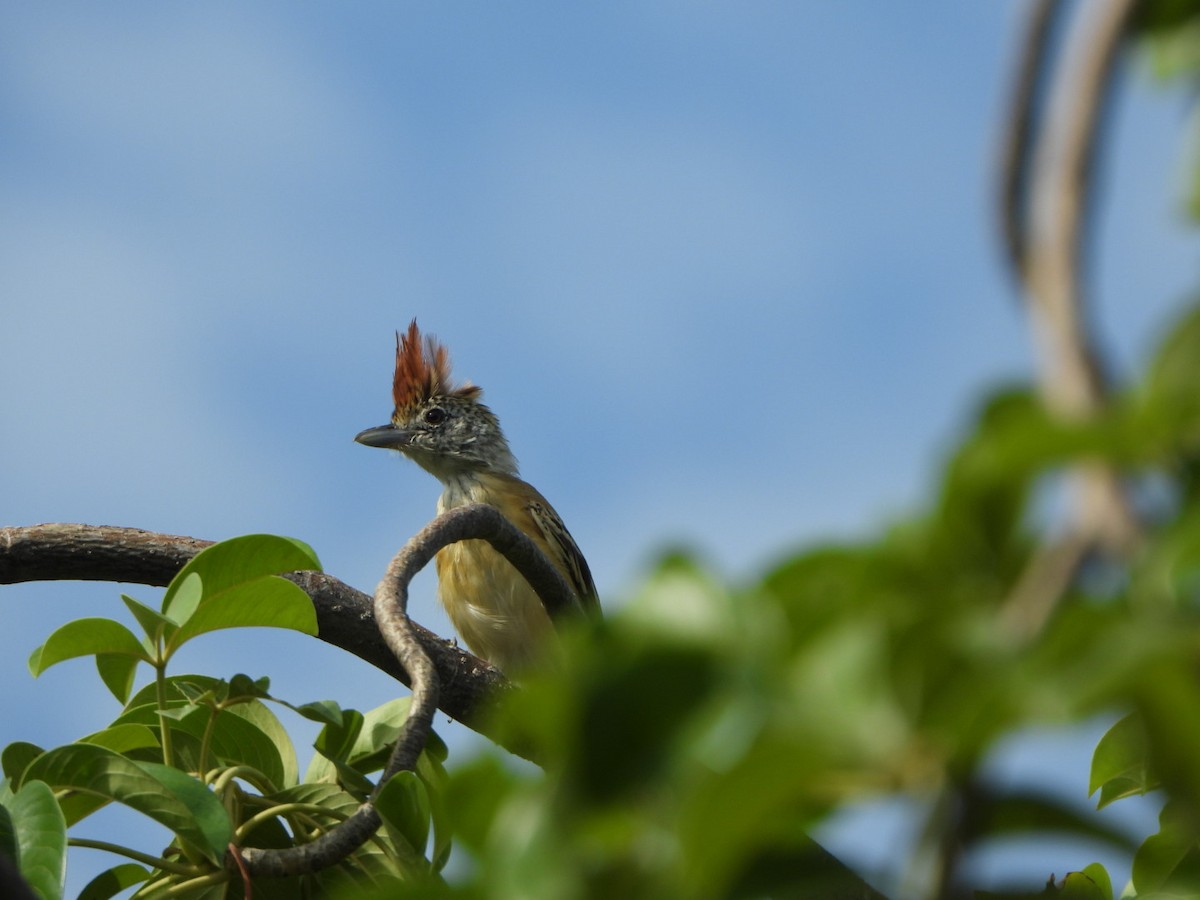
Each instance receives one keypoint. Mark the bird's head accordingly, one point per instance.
(440, 425)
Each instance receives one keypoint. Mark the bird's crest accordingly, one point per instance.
(423, 371)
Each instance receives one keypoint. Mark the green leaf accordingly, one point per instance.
(16, 757)
(86, 637)
(336, 742)
(41, 834)
(1099, 876)
(248, 734)
(1169, 861)
(381, 726)
(433, 773)
(117, 673)
(1120, 764)
(237, 561)
(404, 804)
(1176, 366)
(436, 748)
(361, 743)
(266, 602)
(327, 712)
(234, 584)
(201, 694)
(207, 812)
(153, 623)
(1169, 702)
(1081, 886)
(477, 791)
(123, 738)
(112, 881)
(179, 713)
(352, 779)
(1169, 404)
(327, 796)
(8, 836)
(182, 598)
(243, 687)
(627, 734)
(167, 796)
(268, 748)
(1171, 31)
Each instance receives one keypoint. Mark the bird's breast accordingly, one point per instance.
(492, 607)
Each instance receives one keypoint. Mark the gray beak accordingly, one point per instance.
(387, 436)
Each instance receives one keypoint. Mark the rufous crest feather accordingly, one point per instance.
(423, 371)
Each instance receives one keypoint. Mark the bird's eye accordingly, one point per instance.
(435, 416)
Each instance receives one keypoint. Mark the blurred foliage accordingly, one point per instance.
(1170, 30)
(704, 729)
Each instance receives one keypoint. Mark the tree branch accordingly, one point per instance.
(1072, 371)
(1019, 134)
(1062, 194)
(345, 616)
(1046, 198)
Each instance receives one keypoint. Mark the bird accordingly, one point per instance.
(445, 429)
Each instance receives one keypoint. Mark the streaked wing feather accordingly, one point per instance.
(571, 560)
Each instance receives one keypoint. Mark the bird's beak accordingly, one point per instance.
(387, 436)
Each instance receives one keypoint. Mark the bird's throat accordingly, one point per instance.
(460, 489)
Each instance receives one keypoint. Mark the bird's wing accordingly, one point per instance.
(566, 553)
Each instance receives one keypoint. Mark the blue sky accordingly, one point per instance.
(726, 272)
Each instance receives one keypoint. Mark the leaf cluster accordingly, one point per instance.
(208, 758)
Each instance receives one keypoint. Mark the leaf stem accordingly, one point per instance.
(160, 693)
(188, 888)
(156, 862)
(248, 773)
(289, 810)
(206, 740)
